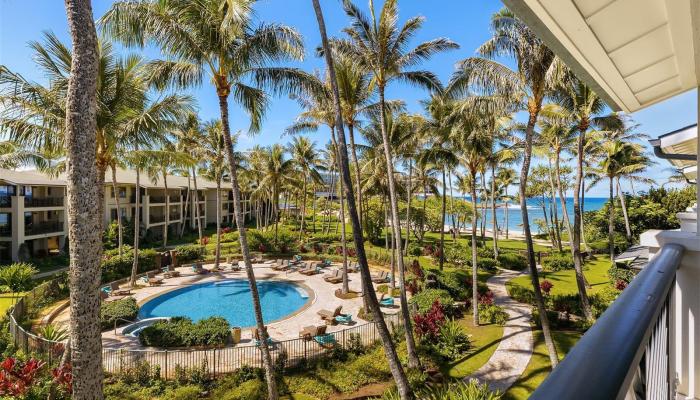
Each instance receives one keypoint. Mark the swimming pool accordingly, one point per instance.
(229, 299)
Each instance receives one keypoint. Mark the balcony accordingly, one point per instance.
(40, 228)
(156, 219)
(174, 198)
(156, 199)
(174, 217)
(5, 201)
(30, 202)
(626, 353)
(5, 231)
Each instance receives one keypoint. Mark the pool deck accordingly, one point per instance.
(323, 297)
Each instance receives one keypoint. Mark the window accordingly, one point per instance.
(5, 222)
(122, 193)
(28, 219)
(7, 190)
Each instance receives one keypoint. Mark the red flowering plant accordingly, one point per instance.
(417, 270)
(204, 241)
(486, 298)
(427, 325)
(17, 377)
(546, 287)
(620, 284)
(262, 248)
(63, 377)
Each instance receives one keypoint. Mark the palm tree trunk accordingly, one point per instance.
(422, 220)
(442, 224)
(185, 211)
(611, 222)
(562, 200)
(493, 211)
(576, 239)
(167, 211)
(313, 211)
(84, 186)
(137, 228)
(245, 251)
(343, 236)
(583, 209)
(358, 175)
(550, 231)
(217, 251)
(452, 207)
(539, 300)
(507, 219)
(475, 269)
(196, 205)
(303, 209)
(120, 241)
(484, 204)
(553, 206)
(409, 195)
(395, 367)
(621, 195)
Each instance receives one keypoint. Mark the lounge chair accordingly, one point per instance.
(326, 341)
(280, 265)
(115, 290)
(170, 273)
(381, 277)
(354, 267)
(333, 275)
(310, 269)
(386, 302)
(345, 319)
(152, 280)
(329, 316)
(235, 266)
(297, 259)
(309, 332)
(198, 269)
(337, 279)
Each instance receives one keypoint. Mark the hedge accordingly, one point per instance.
(119, 311)
(512, 261)
(558, 262)
(182, 332)
(188, 253)
(115, 267)
(424, 299)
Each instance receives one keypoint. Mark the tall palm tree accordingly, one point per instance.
(218, 38)
(389, 349)
(214, 170)
(506, 178)
(84, 219)
(537, 73)
(379, 45)
(305, 158)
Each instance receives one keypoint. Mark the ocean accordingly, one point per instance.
(515, 221)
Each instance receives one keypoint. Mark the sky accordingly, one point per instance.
(465, 22)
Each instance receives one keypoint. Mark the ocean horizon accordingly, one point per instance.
(535, 212)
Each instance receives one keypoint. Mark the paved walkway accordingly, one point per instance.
(513, 354)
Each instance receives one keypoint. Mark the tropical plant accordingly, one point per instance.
(17, 277)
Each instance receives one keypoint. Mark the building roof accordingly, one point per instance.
(29, 178)
(679, 148)
(124, 176)
(635, 257)
(633, 53)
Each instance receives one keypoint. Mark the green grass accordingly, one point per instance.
(485, 339)
(596, 272)
(539, 366)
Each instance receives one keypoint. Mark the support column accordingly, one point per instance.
(697, 170)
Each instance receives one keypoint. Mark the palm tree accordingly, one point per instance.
(369, 293)
(215, 169)
(305, 158)
(379, 45)
(84, 219)
(217, 37)
(506, 178)
(277, 169)
(526, 88)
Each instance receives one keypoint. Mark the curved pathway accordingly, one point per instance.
(513, 353)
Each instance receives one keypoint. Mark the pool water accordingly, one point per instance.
(229, 299)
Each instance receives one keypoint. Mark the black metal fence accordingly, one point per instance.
(40, 228)
(215, 361)
(43, 201)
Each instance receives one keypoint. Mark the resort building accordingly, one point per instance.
(635, 53)
(33, 208)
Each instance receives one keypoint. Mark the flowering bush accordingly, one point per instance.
(204, 241)
(63, 377)
(486, 298)
(427, 325)
(17, 377)
(546, 286)
(620, 284)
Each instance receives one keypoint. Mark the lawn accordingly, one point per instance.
(485, 339)
(596, 272)
(539, 366)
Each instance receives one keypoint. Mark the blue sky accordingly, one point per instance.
(465, 22)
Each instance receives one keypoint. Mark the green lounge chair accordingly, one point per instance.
(345, 319)
(325, 341)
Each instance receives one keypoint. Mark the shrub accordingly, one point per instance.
(427, 325)
(414, 250)
(461, 390)
(452, 342)
(188, 253)
(17, 277)
(558, 262)
(187, 392)
(512, 261)
(115, 267)
(620, 274)
(455, 282)
(492, 314)
(424, 300)
(487, 264)
(118, 311)
(181, 332)
(546, 286)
